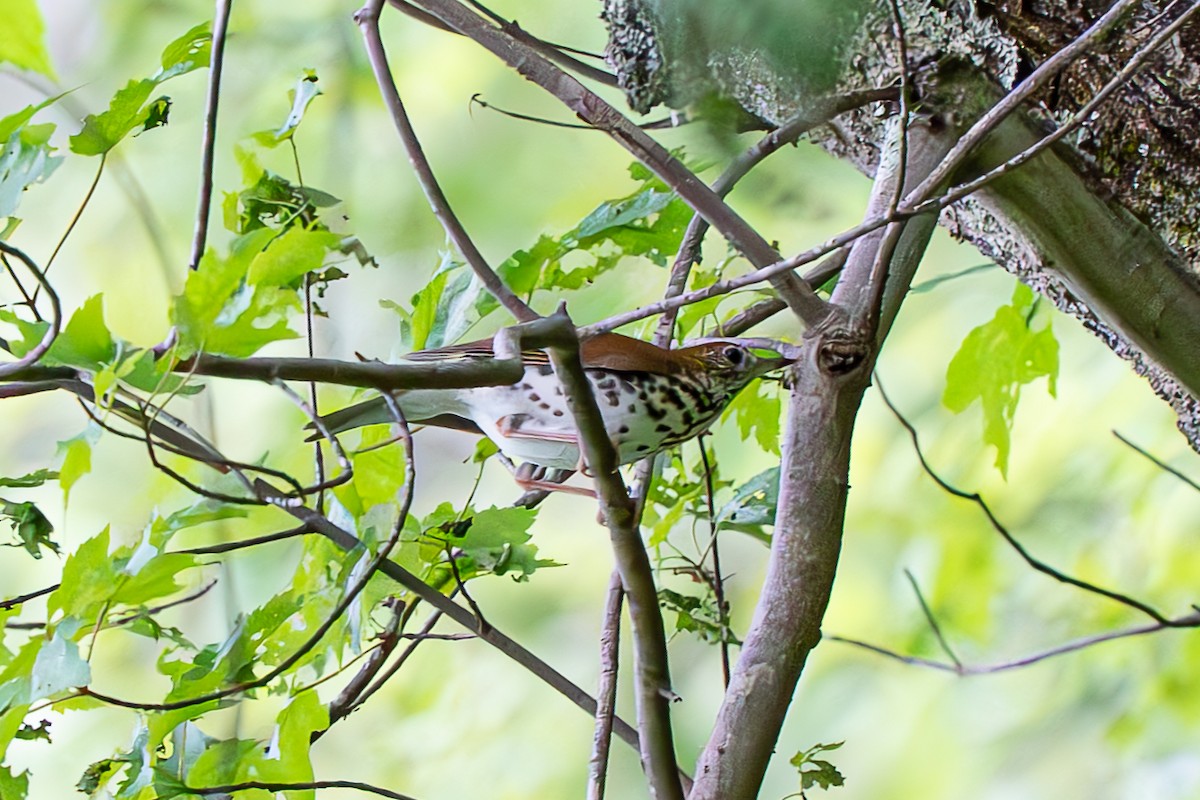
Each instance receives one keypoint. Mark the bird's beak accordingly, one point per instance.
(764, 366)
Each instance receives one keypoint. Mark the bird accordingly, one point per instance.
(650, 398)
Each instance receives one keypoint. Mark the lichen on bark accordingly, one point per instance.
(1135, 165)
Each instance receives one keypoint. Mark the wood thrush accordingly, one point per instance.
(650, 398)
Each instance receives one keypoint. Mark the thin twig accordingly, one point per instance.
(229, 547)
(932, 620)
(665, 122)
(275, 786)
(718, 581)
(37, 351)
(1158, 462)
(209, 143)
(87, 197)
(25, 296)
(481, 622)
(1189, 621)
(1038, 565)
(606, 692)
(25, 598)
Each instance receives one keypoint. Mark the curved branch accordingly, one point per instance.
(11, 369)
(209, 144)
(368, 21)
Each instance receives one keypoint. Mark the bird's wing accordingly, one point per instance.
(606, 351)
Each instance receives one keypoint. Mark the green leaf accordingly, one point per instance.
(85, 341)
(13, 787)
(291, 255)
(58, 667)
(424, 310)
(29, 733)
(302, 95)
(619, 213)
(131, 107)
(22, 38)
(495, 541)
(188, 53)
(98, 773)
(31, 526)
(88, 580)
(521, 272)
(994, 361)
(270, 199)
(496, 527)
(757, 411)
(30, 480)
(816, 771)
(698, 615)
(378, 472)
(219, 312)
(188, 743)
(126, 111)
(199, 513)
(76, 458)
(27, 156)
(752, 507)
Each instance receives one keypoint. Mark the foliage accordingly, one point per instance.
(311, 617)
(817, 771)
(995, 361)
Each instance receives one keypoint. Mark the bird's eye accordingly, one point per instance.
(735, 355)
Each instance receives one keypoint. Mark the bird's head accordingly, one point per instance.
(733, 364)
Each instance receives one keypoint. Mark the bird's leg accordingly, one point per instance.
(516, 426)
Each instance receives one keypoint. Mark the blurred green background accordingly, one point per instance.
(1117, 721)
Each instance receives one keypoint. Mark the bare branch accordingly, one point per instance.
(1158, 462)
(14, 368)
(209, 145)
(651, 664)
(606, 694)
(272, 786)
(1037, 564)
(1189, 621)
(368, 21)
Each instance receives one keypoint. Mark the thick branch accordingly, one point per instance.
(828, 384)
(651, 665)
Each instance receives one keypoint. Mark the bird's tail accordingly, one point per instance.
(437, 407)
